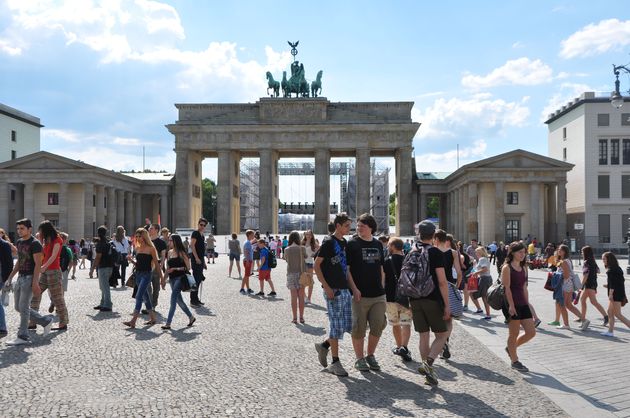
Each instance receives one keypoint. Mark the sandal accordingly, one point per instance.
(150, 323)
(302, 320)
(166, 327)
(191, 322)
(129, 324)
(294, 321)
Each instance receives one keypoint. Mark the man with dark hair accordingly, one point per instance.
(331, 228)
(104, 265)
(197, 261)
(160, 246)
(28, 269)
(430, 313)
(367, 281)
(331, 269)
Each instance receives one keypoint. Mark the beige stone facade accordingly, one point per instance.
(274, 128)
(79, 197)
(502, 198)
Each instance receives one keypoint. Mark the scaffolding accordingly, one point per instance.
(300, 216)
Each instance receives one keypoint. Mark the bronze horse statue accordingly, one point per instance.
(273, 84)
(316, 86)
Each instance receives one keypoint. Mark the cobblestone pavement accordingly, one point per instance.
(579, 370)
(243, 357)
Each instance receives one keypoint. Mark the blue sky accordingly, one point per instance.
(103, 76)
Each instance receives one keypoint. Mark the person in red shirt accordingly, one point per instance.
(50, 277)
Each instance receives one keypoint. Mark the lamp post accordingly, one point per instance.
(616, 99)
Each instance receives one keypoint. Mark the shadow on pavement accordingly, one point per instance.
(14, 355)
(552, 333)
(203, 311)
(480, 373)
(101, 316)
(181, 336)
(480, 323)
(311, 330)
(315, 307)
(546, 380)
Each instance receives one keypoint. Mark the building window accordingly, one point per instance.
(104, 202)
(603, 119)
(603, 151)
(512, 230)
(13, 136)
(603, 223)
(53, 199)
(626, 151)
(564, 133)
(625, 119)
(94, 200)
(13, 195)
(614, 151)
(625, 224)
(13, 154)
(512, 198)
(564, 154)
(603, 186)
(625, 187)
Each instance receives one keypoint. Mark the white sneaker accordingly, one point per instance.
(563, 327)
(605, 334)
(18, 341)
(307, 301)
(47, 327)
(585, 325)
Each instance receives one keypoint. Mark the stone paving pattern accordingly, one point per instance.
(582, 371)
(243, 357)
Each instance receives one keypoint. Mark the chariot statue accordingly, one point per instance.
(297, 82)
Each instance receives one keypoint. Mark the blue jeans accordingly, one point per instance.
(176, 299)
(197, 271)
(143, 279)
(3, 321)
(104, 273)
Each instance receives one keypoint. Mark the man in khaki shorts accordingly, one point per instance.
(367, 281)
(398, 311)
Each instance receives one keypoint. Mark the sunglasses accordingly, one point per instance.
(202, 224)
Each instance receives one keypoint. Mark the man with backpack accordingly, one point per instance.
(104, 263)
(331, 269)
(267, 262)
(424, 271)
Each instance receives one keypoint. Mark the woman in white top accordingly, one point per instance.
(482, 268)
(122, 246)
(311, 246)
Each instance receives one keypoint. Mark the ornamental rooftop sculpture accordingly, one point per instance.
(297, 83)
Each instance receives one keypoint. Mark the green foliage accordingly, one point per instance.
(209, 201)
(433, 207)
(392, 209)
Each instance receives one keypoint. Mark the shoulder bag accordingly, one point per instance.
(306, 278)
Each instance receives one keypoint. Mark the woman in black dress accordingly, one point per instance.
(616, 292)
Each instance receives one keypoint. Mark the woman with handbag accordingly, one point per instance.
(146, 261)
(564, 279)
(616, 292)
(178, 269)
(482, 268)
(589, 286)
(311, 246)
(453, 272)
(295, 255)
(514, 279)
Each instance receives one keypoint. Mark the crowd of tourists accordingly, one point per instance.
(367, 282)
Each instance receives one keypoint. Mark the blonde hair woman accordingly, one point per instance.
(482, 268)
(310, 246)
(146, 261)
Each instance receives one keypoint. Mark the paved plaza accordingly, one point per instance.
(243, 357)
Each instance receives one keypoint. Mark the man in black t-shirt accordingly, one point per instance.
(430, 313)
(160, 246)
(367, 281)
(331, 269)
(197, 261)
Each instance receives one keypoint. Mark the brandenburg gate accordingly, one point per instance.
(273, 128)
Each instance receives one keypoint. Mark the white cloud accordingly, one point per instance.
(447, 161)
(597, 38)
(566, 93)
(478, 116)
(521, 71)
(7, 48)
(518, 45)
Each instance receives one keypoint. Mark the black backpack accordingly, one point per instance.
(415, 278)
(271, 260)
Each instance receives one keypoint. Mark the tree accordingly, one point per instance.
(209, 201)
(433, 207)
(392, 209)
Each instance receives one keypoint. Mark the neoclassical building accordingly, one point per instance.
(79, 197)
(501, 198)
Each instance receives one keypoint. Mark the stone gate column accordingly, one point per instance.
(63, 207)
(423, 205)
(362, 174)
(473, 219)
(499, 211)
(187, 188)
(561, 216)
(404, 185)
(88, 210)
(551, 214)
(120, 209)
(129, 215)
(164, 212)
(228, 193)
(111, 208)
(322, 191)
(534, 217)
(137, 207)
(100, 205)
(461, 215)
(4, 207)
(29, 202)
(466, 214)
(268, 191)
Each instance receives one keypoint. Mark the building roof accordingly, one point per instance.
(586, 97)
(149, 176)
(435, 175)
(19, 115)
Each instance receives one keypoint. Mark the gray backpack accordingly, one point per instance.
(415, 279)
